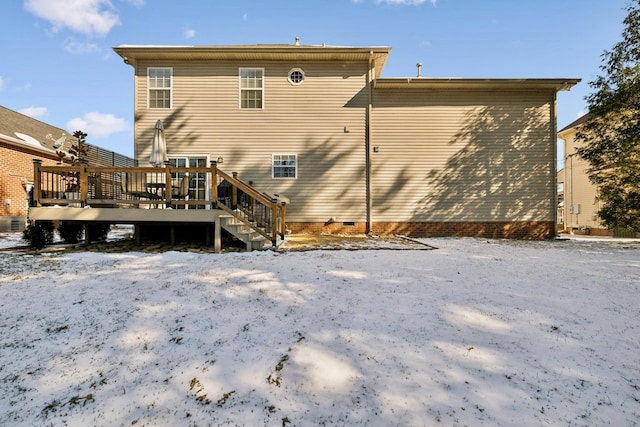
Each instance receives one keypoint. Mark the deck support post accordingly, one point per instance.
(84, 183)
(283, 219)
(87, 237)
(234, 192)
(214, 184)
(37, 193)
(168, 189)
(217, 241)
(137, 234)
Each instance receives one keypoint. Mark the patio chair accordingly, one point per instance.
(135, 184)
(180, 187)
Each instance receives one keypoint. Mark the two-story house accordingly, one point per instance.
(353, 151)
(581, 204)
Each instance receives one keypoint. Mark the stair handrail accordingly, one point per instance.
(267, 201)
(247, 188)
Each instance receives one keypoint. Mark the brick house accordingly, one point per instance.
(23, 139)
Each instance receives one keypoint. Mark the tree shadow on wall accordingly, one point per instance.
(323, 161)
(179, 133)
(330, 173)
(502, 171)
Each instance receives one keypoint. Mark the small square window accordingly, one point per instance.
(285, 166)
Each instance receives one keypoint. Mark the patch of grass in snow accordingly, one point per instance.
(224, 397)
(276, 378)
(55, 405)
(280, 364)
(197, 389)
(57, 329)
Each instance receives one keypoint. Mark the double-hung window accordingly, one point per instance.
(159, 84)
(285, 165)
(251, 88)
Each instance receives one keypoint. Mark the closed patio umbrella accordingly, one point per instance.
(158, 146)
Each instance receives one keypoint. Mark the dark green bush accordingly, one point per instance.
(38, 234)
(70, 232)
(98, 232)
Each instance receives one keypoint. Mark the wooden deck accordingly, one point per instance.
(170, 196)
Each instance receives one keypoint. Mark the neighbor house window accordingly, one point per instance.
(159, 83)
(251, 88)
(285, 166)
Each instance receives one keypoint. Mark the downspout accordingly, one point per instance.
(554, 165)
(570, 216)
(367, 144)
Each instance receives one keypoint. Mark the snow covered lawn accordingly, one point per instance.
(476, 332)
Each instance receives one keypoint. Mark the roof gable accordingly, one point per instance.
(575, 123)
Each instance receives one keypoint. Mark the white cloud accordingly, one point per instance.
(91, 17)
(73, 46)
(189, 33)
(33, 111)
(98, 125)
(2, 84)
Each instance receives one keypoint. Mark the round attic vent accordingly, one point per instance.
(296, 76)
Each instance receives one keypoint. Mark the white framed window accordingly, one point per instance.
(284, 165)
(251, 88)
(296, 76)
(159, 83)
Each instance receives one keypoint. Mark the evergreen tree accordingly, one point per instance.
(610, 136)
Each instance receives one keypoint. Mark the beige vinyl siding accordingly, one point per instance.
(307, 119)
(578, 190)
(463, 156)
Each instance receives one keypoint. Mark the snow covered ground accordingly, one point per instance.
(476, 332)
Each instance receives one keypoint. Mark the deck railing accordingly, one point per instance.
(148, 187)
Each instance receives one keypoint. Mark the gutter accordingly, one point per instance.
(24, 145)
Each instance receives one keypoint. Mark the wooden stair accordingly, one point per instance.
(252, 239)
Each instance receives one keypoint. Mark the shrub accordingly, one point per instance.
(38, 234)
(70, 232)
(99, 232)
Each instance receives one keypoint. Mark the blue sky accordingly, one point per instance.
(59, 67)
